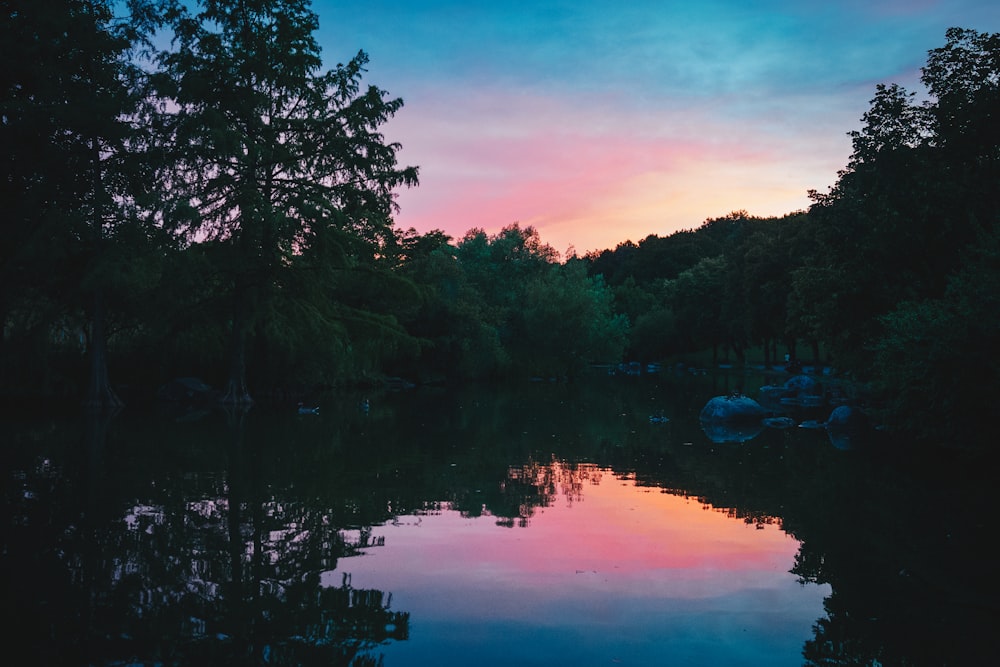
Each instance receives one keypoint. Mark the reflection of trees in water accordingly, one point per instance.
(907, 552)
(535, 485)
(904, 546)
(208, 568)
(209, 548)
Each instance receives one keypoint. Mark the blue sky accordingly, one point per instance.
(600, 122)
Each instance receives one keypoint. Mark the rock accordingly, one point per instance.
(841, 440)
(732, 409)
(722, 432)
(803, 385)
(770, 393)
(847, 419)
(800, 390)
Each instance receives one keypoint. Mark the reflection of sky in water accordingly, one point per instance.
(621, 575)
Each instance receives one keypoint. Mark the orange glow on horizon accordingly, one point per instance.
(655, 529)
(590, 174)
(637, 542)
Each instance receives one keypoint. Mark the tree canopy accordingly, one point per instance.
(191, 192)
(889, 271)
(270, 156)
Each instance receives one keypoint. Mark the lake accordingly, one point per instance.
(538, 523)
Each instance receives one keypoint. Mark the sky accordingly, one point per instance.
(619, 574)
(604, 121)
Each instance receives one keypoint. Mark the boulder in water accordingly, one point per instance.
(797, 390)
(847, 419)
(732, 409)
(723, 432)
(803, 385)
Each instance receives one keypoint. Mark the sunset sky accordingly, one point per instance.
(599, 121)
(621, 574)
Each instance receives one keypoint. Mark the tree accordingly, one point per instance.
(274, 158)
(906, 243)
(565, 321)
(499, 268)
(654, 335)
(940, 353)
(502, 263)
(70, 100)
(761, 270)
(695, 297)
(964, 77)
(634, 300)
(918, 189)
(891, 123)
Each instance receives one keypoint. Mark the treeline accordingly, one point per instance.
(188, 192)
(894, 273)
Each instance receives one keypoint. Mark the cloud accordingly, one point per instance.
(600, 123)
(589, 175)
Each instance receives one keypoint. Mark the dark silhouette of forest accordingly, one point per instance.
(132, 544)
(190, 194)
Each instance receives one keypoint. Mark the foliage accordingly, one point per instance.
(501, 304)
(655, 335)
(889, 272)
(914, 217)
(941, 353)
(455, 324)
(226, 210)
(566, 321)
(695, 297)
(74, 167)
(275, 158)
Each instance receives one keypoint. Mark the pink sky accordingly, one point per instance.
(618, 574)
(634, 542)
(591, 177)
(600, 122)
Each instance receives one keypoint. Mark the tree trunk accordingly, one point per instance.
(99, 392)
(740, 354)
(3, 344)
(237, 499)
(100, 395)
(236, 387)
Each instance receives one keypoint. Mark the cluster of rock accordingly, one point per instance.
(738, 418)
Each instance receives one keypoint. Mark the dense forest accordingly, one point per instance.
(188, 193)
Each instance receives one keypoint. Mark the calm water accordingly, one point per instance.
(540, 524)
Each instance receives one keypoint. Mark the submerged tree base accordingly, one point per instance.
(236, 394)
(104, 399)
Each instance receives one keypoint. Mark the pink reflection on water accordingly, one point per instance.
(606, 555)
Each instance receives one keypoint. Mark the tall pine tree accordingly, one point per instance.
(273, 156)
(69, 98)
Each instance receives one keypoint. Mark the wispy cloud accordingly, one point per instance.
(601, 122)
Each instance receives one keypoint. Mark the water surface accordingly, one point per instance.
(540, 523)
(607, 572)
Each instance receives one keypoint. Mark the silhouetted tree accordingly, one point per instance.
(565, 321)
(72, 165)
(273, 157)
(897, 238)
